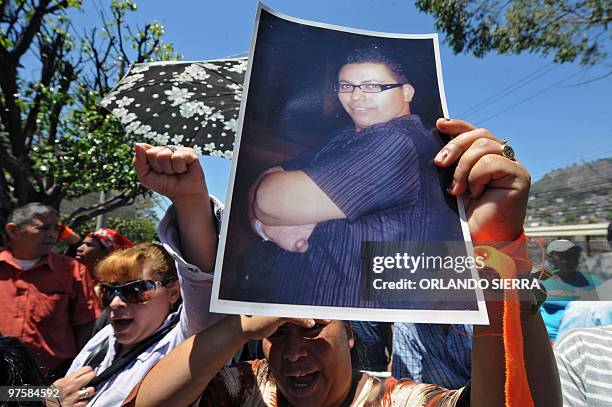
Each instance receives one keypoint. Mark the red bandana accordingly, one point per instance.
(111, 239)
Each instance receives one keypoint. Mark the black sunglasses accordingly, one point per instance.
(134, 292)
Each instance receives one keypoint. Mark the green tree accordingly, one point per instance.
(138, 229)
(55, 142)
(567, 29)
(137, 221)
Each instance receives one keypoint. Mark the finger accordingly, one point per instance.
(468, 159)
(453, 127)
(83, 395)
(85, 379)
(182, 159)
(140, 162)
(458, 145)
(78, 378)
(323, 321)
(305, 322)
(164, 160)
(84, 370)
(152, 159)
(90, 391)
(496, 171)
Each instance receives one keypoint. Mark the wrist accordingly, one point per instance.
(189, 202)
(236, 336)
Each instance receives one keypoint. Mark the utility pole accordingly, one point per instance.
(101, 219)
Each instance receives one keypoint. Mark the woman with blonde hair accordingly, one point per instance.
(140, 285)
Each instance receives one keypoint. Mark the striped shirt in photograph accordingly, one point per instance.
(584, 359)
(384, 181)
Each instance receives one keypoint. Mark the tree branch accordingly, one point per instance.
(11, 114)
(67, 77)
(27, 35)
(14, 18)
(83, 214)
(120, 38)
(50, 53)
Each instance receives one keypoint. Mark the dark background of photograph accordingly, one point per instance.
(291, 108)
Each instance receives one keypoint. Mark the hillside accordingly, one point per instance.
(574, 195)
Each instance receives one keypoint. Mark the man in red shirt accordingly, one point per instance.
(43, 295)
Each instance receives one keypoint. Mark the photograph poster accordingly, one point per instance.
(335, 208)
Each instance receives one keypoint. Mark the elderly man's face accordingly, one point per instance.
(37, 238)
(367, 109)
(312, 366)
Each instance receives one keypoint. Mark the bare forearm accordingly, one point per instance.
(192, 365)
(198, 231)
(253, 193)
(488, 364)
(291, 198)
(271, 204)
(540, 362)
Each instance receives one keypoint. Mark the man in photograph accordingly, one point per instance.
(373, 181)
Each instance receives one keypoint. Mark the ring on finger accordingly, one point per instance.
(507, 151)
(172, 148)
(83, 394)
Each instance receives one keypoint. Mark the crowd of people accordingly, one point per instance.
(156, 343)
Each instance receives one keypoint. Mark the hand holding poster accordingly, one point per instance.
(336, 208)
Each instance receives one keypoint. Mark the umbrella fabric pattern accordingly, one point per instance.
(193, 104)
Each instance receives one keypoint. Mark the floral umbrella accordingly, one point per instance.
(192, 104)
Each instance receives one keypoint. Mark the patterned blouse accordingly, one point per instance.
(252, 384)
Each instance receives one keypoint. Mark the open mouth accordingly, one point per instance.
(120, 325)
(302, 382)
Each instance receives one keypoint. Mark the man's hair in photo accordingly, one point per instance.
(23, 215)
(375, 54)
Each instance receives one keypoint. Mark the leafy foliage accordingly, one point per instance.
(568, 29)
(55, 142)
(138, 230)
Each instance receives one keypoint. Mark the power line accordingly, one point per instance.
(533, 96)
(525, 80)
(557, 165)
(509, 89)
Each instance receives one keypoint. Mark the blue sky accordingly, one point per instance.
(551, 122)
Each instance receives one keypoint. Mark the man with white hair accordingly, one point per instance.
(43, 295)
